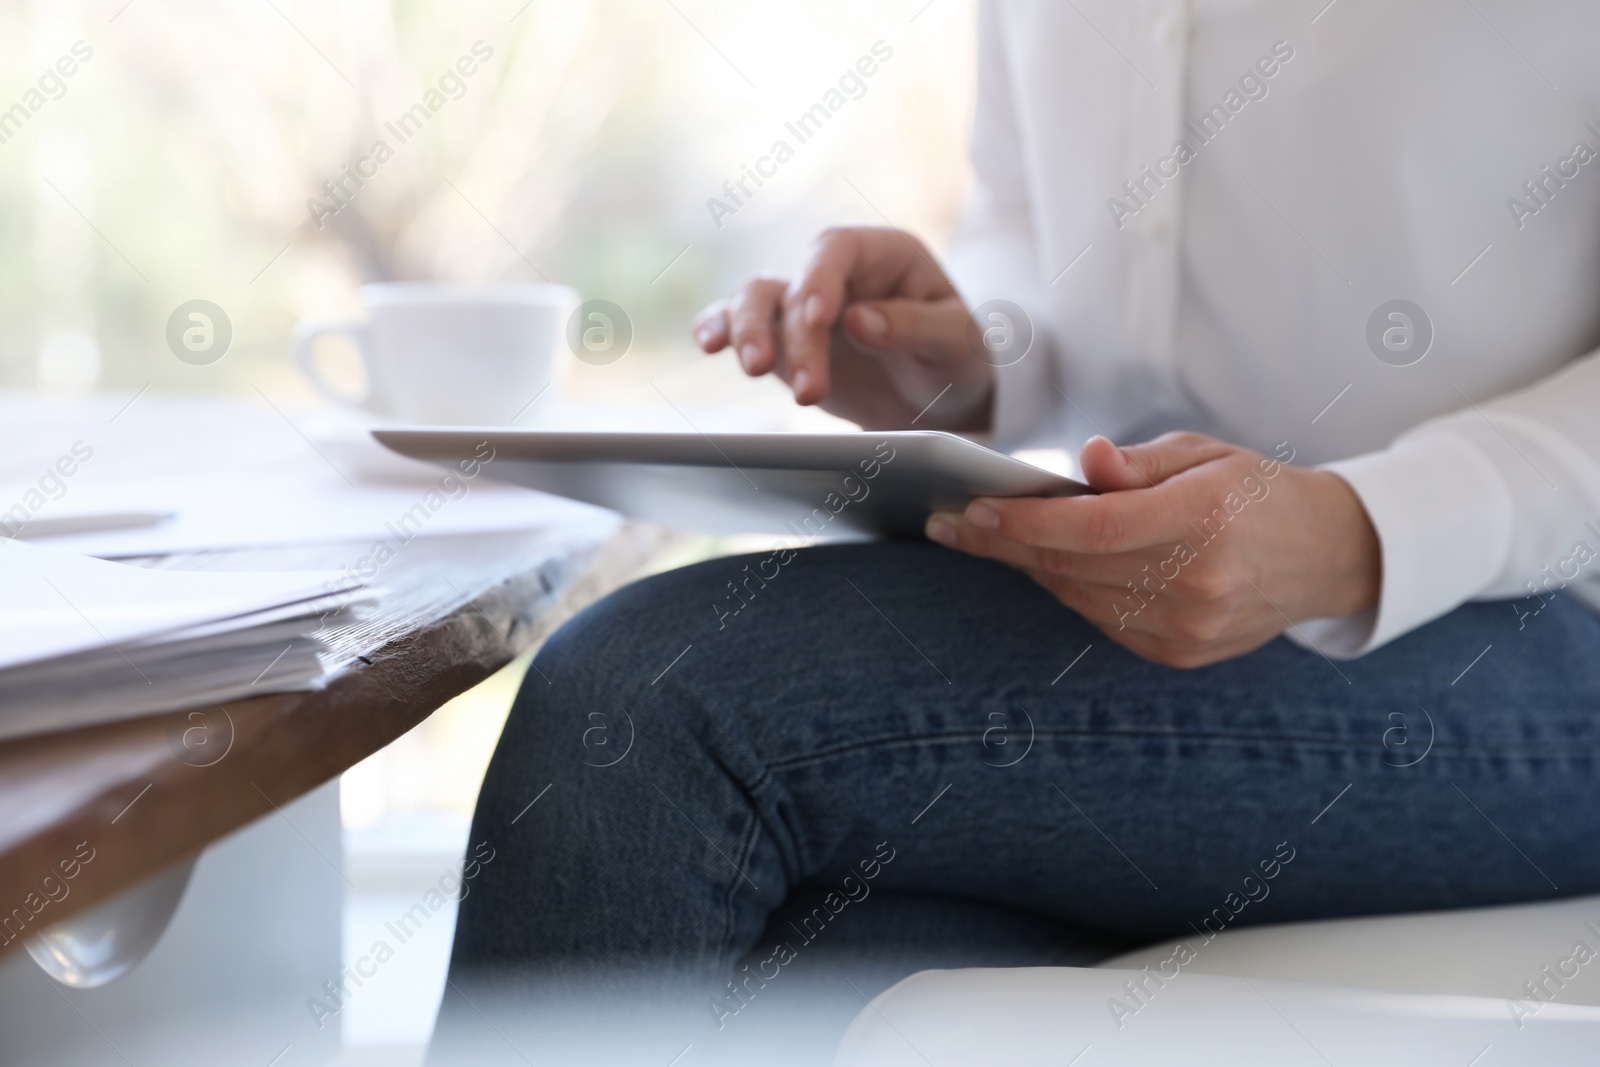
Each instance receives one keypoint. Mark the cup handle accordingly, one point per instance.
(306, 335)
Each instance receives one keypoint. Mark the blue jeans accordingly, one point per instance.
(830, 770)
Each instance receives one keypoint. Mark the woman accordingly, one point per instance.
(1328, 630)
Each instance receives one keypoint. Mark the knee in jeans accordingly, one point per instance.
(616, 636)
(608, 656)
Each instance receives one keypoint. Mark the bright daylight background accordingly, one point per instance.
(179, 160)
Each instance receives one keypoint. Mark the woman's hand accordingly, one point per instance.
(872, 331)
(1195, 550)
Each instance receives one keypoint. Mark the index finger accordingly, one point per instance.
(849, 264)
(1122, 521)
(711, 327)
(811, 306)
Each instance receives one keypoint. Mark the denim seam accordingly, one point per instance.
(746, 849)
(1334, 744)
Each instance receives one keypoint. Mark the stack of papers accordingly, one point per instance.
(85, 640)
(224, 506)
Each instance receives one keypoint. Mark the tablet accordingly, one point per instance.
(810, 485)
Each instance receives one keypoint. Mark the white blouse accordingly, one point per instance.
(1368, 232)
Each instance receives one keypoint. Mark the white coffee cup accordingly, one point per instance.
(449, 355)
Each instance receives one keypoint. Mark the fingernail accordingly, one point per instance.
(747, 354)
(813, 309)
(983, 516)
(942, 530)
(873, 322)
(799, 382)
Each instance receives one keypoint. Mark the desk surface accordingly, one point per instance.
(148, 792)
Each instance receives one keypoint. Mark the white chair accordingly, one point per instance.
(1485, 987)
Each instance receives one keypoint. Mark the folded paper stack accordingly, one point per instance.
(85, 640)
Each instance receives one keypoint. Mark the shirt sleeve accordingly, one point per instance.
(994, 255)
(1499, 500)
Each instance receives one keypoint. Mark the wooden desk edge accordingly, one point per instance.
(283, 745)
